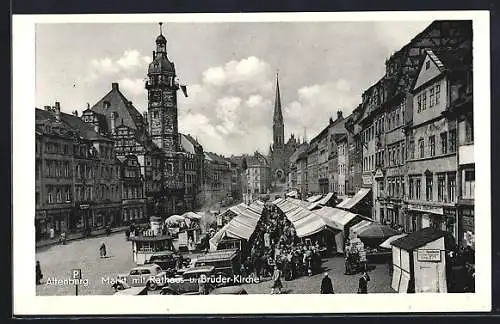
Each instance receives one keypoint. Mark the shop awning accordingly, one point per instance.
(351, 202)
(277, 201)
(241, 226)
(323, 201)
(191, 215)
(314, 198)
(257, 206)
(293, 194)
(338, 217)
(356, 229)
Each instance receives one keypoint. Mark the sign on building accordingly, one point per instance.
(429, 255)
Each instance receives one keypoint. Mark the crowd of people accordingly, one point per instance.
(275, 247)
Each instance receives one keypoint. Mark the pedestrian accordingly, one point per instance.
(39, 274)
(363, 283)
(102, 250)
(276, 281)
(327, 285)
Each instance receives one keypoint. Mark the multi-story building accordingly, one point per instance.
(78, 175)
(343, 162)
(336, 129)
(301, 162)
(217, 179)
(295, 175)
(355, 158)
(433, 137)
(133, 194)
(312, 168)
(258, 176)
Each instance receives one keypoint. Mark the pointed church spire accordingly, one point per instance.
(278, 115)
(160, 23)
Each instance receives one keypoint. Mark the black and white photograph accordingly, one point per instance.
(281, 155)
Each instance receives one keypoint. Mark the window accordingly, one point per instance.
(438, 93)
(441, 187)
(453, 140)
(418, 188)
(469, 184)
(469, 130)
(421, 147)
(412, 149)
(37, 198)
(444, 143)
(452, 183)
(431, 97)
(67, 194)
(411, 191)
(428, 187)
(427, 65)
(50, 195)
(424, 100)
(432, 145)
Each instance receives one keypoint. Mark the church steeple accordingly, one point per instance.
(278, 115)
(278, 125)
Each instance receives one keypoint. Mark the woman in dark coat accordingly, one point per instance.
(39, 274)
(326, 285)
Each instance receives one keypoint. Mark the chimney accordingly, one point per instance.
(57, 111)
(114, 86)
(331, 120)
(47, 108)
(339, 114)
(75, 113)
(130, 103)
(112, 123)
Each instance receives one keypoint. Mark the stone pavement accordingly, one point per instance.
(77, 236)
(57, 261)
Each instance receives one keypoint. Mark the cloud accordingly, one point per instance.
(130, 61)
(134, 86)
(230, 110)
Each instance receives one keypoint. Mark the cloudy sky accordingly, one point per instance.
(229, 68)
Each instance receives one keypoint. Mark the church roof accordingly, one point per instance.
(115, 101)
(302, 148)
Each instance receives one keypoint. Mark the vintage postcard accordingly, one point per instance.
(279, 156)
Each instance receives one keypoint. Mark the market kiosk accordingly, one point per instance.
(420, 261)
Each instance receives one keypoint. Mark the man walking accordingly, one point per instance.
(39, 274)
(326, 285)
(363, 283)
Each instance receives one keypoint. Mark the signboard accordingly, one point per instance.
(367, 179)
(468, 223)
(429, 255)
(379, 174)
(84, 206)
(76, 274)
(427, 209)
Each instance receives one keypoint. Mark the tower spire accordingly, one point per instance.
(278, 115)
(160, 23)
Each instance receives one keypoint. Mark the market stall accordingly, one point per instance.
(420, 261)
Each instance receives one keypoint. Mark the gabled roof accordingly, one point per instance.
(189, 144)
(72, 123)
(419, 238)
(257, 159)
(119, 104)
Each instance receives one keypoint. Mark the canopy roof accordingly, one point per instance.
(241, 226)
(191, 215)
(308, 222)
(351, 202)
(314, 198)
(356, 229)
(292, 193)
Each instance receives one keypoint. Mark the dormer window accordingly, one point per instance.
(107, 104)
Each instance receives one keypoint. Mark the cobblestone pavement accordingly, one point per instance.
(343, 284)
(58, 261)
